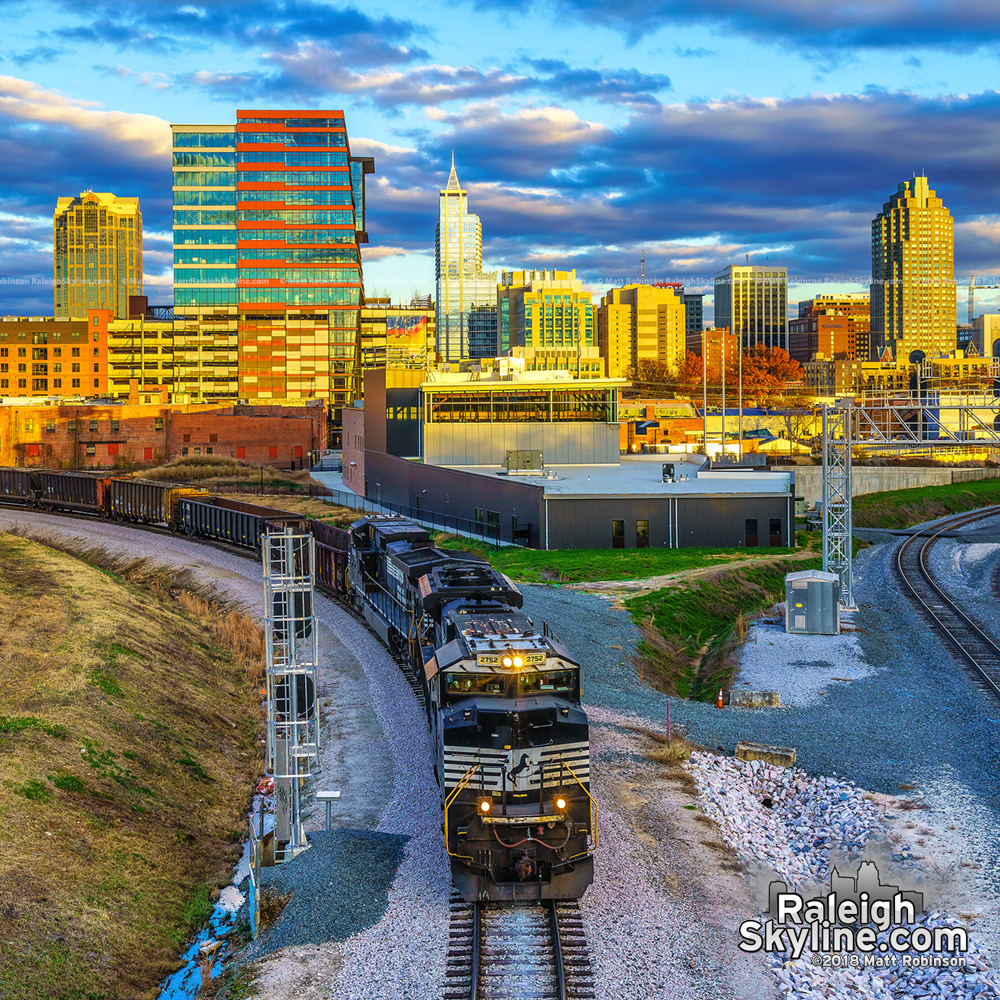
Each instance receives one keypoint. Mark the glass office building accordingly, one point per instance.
(269, 215)
(466, 297)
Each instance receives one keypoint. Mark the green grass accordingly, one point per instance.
(584, 565)
(678, 622)
(33, 790)
(104, 681)
(67, 782)
(906, 508)
(18, 724)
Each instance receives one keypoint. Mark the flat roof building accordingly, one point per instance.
(752, 300)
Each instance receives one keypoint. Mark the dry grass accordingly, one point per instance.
(191, 468)
(342, 517)
(666, 750)
(127, 753)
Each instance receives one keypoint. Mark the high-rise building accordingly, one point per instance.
(694, 312)
(269, 215)
(641, 323)
(397, 335)
(830, 326)
(466, 297)
(913, 274)
(97, 241)
(752, 301)
(547, 318)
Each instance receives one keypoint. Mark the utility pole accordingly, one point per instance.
(704, 391)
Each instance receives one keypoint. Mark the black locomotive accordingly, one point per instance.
(510, 740)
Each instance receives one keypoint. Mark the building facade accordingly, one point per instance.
(391, 334)
(720, 345)
(269, 215)
(97, 245)
(752, 301)
(913, 274)
(548, 319)
(641, 323)
(694, 313)
(53, 434)
(51, 357)
(466, 296)
(986, 334)
(831, 326)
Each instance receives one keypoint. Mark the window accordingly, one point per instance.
(50, 426)
(95, 324)
(97, 368)
(213, 437)
(184, 451)
(187, 437)
(71, 425)
(76, 383)
(3, 383)
(97, 383)
(22, 352)
(241, 452)
(57, 383)
(617, 534)
(76, 352)
(197, 451)
(114, 425)
(642, 534)
(93, 426)
(3, 352)
(91, 449)
(158, 424)
(76, 367)
(29, 424)
(208, 450)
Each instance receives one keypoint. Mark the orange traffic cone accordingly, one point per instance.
(719, 703)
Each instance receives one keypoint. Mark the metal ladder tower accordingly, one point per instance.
(838, 553)
(290, 643)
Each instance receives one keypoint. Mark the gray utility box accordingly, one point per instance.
(812, 602)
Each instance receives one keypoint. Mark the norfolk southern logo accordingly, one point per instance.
(859, 921)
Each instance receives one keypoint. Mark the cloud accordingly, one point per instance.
(956, 25)
(166, 26)
(30, 105)
(145, 78)
(370, 254)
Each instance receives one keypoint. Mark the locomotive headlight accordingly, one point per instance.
(508, 662)
(484, 806)
(518, 662)
(560, 803)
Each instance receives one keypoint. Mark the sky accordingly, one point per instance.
(586, 133)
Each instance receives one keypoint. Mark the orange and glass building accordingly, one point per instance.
(269, 215)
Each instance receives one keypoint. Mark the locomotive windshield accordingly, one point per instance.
(461, 683)
(545, 681)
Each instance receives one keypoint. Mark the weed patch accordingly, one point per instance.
(34, 791)
(688, 632)
(67, 782)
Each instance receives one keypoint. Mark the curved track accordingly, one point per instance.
(964, 635)
(511, 951)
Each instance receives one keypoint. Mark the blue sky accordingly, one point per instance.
(583, 131)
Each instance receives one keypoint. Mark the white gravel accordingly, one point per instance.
(813, 821)
(801, 668)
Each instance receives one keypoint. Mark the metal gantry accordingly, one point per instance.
(889, 424)
(837, 493)
(290, 643)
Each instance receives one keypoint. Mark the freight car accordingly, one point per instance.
(232, 520)
(510, 739)
(18, 486)
(146, 501)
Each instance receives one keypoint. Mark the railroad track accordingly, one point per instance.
(964, 635)
(517, 951)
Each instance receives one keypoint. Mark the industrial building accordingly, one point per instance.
(537, 459)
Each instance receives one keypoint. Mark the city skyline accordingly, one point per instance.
(580, 147)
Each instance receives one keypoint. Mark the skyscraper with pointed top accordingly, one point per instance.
(466, 297)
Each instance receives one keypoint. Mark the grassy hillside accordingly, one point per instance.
(905, 508)
(582, 565)
(127, 752)
(690, 630)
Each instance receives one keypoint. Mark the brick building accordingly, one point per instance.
(831, 327)
(52, 434)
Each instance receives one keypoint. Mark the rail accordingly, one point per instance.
(964, 634)
(466, 778)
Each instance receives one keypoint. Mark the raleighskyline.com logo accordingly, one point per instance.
(859, 921)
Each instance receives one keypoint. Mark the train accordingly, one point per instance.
(509, 736)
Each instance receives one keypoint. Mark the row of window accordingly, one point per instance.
(39, 353)
(204, 217)
(220, 158)
(206, 197)
(329, 158)
(205, 275)
(298, 235)
(330, 218)
(294, 138)
(281, 255)
(41, 368)
(323, 178)
(205, 178)
(314, 276)
(204, 140)
(42, 384)
(301, 296)
(294, 122)
(289, 196)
